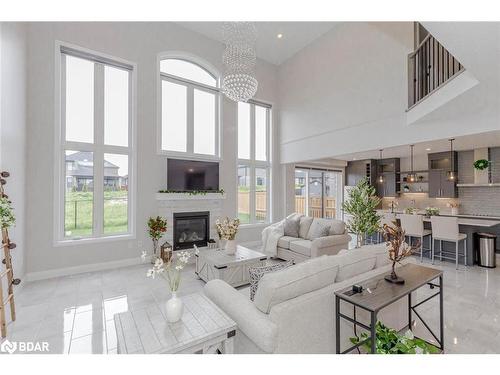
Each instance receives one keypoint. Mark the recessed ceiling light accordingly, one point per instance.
(427, 149)
(279, 36)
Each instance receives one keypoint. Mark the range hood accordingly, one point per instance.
(481, 178)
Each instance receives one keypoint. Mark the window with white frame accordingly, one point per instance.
(189, 110)
(254, 166)
(96, 153)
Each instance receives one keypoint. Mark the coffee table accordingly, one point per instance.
(204, 328)
(233, 269)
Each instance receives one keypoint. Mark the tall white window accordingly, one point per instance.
(254, 165)
(96, 153)
(189, 110)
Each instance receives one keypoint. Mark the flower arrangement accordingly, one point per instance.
(156, 227)
(452, 204)
(481, 164)
(227, 228)
(170, 271)
(7, 218)
(432, 211)
(410, 210)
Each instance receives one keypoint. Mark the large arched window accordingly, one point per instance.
(189, 109)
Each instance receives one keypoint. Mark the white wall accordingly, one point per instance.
(140, 43)
(13, 131)
(347, 92)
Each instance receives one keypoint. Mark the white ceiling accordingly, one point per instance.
(470, 142)
(296, 35)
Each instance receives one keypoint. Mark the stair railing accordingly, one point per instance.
(429, 67)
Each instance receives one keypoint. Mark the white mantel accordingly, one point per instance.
(170, 203)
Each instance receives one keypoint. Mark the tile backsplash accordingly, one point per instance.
(480, 200)
(473, 200)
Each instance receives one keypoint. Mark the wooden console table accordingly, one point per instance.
(385, 294)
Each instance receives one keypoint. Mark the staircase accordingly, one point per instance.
(429, 68)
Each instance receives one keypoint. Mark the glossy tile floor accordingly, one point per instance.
(75, 313)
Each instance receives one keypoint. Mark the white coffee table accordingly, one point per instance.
(233, 269)
(204, 328)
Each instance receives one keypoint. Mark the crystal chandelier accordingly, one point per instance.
(239, 58)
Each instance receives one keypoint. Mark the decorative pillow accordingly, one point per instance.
(256, 274)
(318, 229)
(291, 226)
(305, 224)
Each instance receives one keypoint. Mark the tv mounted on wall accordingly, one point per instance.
(189, 175)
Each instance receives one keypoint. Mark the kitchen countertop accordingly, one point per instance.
(470, 220)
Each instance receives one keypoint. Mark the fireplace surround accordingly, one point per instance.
(191, 228)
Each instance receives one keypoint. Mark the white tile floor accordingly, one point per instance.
(75, 313)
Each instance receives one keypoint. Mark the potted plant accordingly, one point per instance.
(156, 227)
(411, 211)
(361, 206)
(481, 164)
(171, 271)
(395, 238)
(389, 341)
(227, 230)
(431, 211)
(7, 218)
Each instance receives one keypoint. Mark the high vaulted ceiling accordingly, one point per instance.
(295, 36)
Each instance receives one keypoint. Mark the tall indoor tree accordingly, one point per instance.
(361, 205)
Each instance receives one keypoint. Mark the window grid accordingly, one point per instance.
(252, 164)
(98, 148)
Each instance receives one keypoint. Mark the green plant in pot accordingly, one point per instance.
(361, 206)
(481, 164)
(389, 341)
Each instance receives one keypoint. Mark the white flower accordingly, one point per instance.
(178, 267)
(150, 273)
(158, 262)
(144, 254)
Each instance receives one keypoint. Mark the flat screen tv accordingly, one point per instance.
(188, 175)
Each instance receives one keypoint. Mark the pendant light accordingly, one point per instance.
(451, 174)
(411, 176)
(380, 175)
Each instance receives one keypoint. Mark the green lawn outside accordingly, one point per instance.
(81, 204)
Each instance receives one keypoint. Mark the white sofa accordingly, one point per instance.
(304, 247)
(294, 311)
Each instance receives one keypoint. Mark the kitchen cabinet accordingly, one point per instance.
(389, 169)
(359, 169)
(439, 185)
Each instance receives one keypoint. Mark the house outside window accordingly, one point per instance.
(97, 155)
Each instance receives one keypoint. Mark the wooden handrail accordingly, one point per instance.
(420, 45)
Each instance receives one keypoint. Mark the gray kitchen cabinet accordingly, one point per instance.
(439, 185)
(390, 171)
(359, 169)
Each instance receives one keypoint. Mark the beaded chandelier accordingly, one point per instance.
(239, 58)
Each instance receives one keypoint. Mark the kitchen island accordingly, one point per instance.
(469, 225)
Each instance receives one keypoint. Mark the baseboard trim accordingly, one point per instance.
(42, 275)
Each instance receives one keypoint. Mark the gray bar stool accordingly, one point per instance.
(446, 229)
(413, 225)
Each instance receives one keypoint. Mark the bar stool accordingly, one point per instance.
(387, 218)
(413, 225)
(446, 229)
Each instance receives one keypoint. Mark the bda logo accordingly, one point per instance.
(8, 347)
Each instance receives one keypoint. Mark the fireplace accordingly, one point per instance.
(191, 228)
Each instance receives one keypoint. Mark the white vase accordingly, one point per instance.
(175, 308)
(230, 247)
(454, 211)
